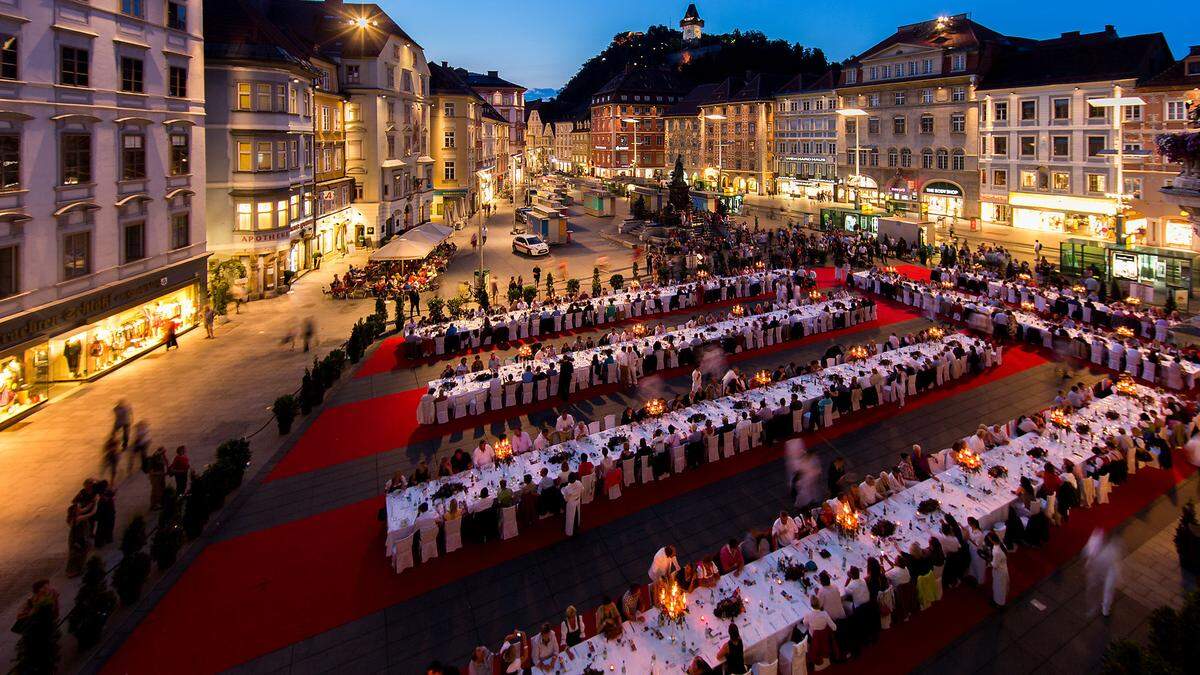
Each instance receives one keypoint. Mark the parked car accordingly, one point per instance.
(530, 244)
(521, 214)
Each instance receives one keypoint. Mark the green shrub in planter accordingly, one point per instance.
(285, 410)
(572, 286)
(197, 506)
(483, 300)
(234, 454)
(93, 605)
(134, 567)
(337, 357)
(596, 281)
(530, 294)
(616, 281)
(435, 306)
(1173, 646)
(168, 537)
(306, 397)
(38, 650)
(381, 308)
(454, 306)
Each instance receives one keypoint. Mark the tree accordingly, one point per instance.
(677, 189)
(549, 284)
(220, 283)
(38, 650)
(596, 281)
(93, 605)
(638, 209)
(168, 538)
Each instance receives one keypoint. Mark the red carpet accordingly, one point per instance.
(363, 428)
(385, 359)
(253, 594)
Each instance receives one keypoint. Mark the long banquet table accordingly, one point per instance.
(774, 605)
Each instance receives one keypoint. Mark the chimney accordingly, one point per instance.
(1108, 28)
(493, 73)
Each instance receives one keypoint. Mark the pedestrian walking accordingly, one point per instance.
(110, 456)
(179, 468)
(289, 338)
(156, 471)
(210, 318)
(105, 520)
(122, 418)
(79, 533)
(1102, 555)
(141, 446)
(309, 330)
(414, 302)
(172, 339)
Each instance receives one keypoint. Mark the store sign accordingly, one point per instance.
(811, 160)
(263, 237)
(941, 187)
(91, 306)
(1177, 233)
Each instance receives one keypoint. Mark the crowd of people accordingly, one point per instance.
(392, 278)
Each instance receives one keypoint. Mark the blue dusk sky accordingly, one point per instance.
(541, 43)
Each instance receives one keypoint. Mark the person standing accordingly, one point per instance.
(122, 419)
(180, 466)
(141, 445)
(572, 492)
(210, 318)
(310, 329)
(172, 338)
(414, 302)
(106, 514)
(79, 535)
(156, 471)
(999, 564)
(1102, 556)
(565, 373)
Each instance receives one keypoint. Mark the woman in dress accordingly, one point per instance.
(733, 652)
(999, 570)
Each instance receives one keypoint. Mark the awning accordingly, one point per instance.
(415, 244)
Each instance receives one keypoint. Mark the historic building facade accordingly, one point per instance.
(737, 123)
(806, 129)
(627, 120)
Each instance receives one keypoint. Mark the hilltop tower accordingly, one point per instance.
(692, 25)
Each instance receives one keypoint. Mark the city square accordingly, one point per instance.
(721, 354)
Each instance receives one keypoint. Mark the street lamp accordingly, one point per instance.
(720, 145)
(634, 121)
(1118, 104)
(857, 114)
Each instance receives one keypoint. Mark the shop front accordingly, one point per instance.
(852, 221)
(1166, 271)
(806, 188)
(994, 209)
(86, 337)
(1064, 214)
(942, 199)
(267, 255)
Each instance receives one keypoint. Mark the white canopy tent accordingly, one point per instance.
(415, 244)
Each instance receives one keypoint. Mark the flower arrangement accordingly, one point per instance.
(792, 570)
(738, 310)
(762, 378)
(449, 490)
(1133, 301)
(883, 528)
(525, 351)
(856, 353)
(504, 450)
(1124, 331)
(617, 441)
(638, 330)
(1079, 288)
(814, 295)
(1083, 428)
(928, 506)
(1112, 415)
(672, 603)
(655, 407)
(935, 333)
(731, 607)
(1125, 386)
(968, 459)
(998, 471)
(558, 458)
(1028, 306)
(848, 521)
(1036, 452)
(1058, 417)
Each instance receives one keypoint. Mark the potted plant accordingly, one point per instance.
(454, 306)
(596, 282)
(435, 306)
(616, 281)
(38, 650)
(1182, 148)
(93, 605)
(134, 567)
(572, 287)
(1187, 539)
(168, 538)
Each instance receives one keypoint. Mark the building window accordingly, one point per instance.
(1028, 146)
(262, 95)
(177, 81)
(927, 159)
(1000, 178)
(1133, 187)
(448, 171)
(245, 156)
(448, 139)
(1061, 146)
(245, 216)
(1000, 146)
(926, 96)
(1000, 111)
(281, 155)
(181, 231)
(1133, 113)
(10, 280)
(134, 244)
(1028, 111)
(133, 157)
(899, 125)
(262, 156)
(958, 123)
(1061, 180)
(1097, 112)
(448, 109)
(132, 7)
(73, 70)
(927, 124)
(905, 158)
(893, 157)
(8, 57)
(180, 154)
(899, 98)
(1095, 144)
(76, 159)
(1096, 182)
(958, 62)
(281, 212)
(10, 161)
(352, 74)
(243, 96)
(131, 75)
(1029, 179)
(1062, 108)
(943, 160)
(176, 16)
(958, 160)
(264, 217)
(873, 125)
(958, 94)
(77, 255)
(1176, 110)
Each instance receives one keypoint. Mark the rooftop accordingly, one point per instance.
(1077, 57)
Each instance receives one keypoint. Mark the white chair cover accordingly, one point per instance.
(508, 522)
(1103, 490)
(769, 668)
(400, 550)
(429, 546)
(713, 451)
(453, 533)
(443, 411)
(729, 445)
(646, 471)
(678, 461)
(589, 488)
(610, 421)
(627, 472)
